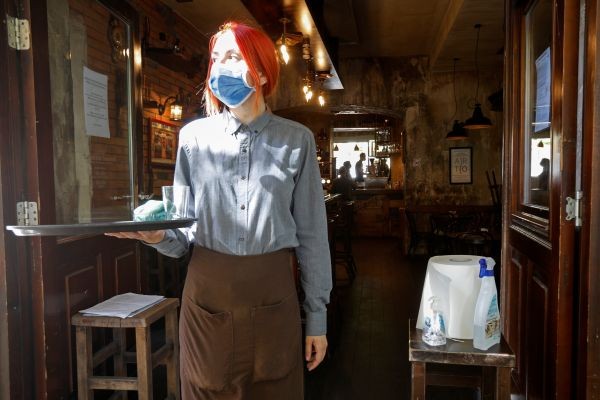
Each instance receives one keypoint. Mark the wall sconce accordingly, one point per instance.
(322, 76)
(287, 40)
(285, 56)
(176, 106)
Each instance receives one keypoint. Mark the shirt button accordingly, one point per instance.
(241, 239)
(244, 150)
(243, 178)
(243, 207)
(255, 131)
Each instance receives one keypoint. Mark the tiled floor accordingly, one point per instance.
(371, 360)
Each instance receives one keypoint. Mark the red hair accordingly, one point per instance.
(260, 55)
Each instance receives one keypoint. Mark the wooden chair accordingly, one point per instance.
(343, 240)
(145, 359)
(416, 236)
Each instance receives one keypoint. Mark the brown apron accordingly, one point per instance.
(240, 329)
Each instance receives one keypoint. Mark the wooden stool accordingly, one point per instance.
(493, 378)
(145, 359)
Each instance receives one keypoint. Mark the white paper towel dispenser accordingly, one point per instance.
(455, 280)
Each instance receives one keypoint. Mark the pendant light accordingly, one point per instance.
(457, 132)
(477, 120)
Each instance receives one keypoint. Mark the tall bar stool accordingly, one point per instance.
(145, 359)
(343, 236)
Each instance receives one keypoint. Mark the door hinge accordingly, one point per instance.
(573, 208)
(27, 213)
(18, 33)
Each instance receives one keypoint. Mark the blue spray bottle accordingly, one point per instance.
(486, 322)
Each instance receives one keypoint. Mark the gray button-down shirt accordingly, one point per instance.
(256, 189)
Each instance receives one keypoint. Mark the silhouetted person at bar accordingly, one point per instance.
(372, 168)
(384, 169)
(544, 176)
(358, 168)
(343, 184)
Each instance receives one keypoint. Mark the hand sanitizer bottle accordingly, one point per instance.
(434, 326)
(486, 322)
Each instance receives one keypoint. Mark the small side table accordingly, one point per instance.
(495, 363)
(145, 359)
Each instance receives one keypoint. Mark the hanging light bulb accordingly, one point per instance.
(309, 94)
(284, 53)
(477, 120)
(321, 98)
(336, 148)
(283, 50)
(356, 147)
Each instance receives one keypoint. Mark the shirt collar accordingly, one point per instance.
(233, 125)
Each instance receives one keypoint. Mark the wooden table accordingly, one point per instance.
(493, 376)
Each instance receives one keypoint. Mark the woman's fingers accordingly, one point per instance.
(315, 350)
(146, 236)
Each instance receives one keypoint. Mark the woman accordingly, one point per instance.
(257, 197)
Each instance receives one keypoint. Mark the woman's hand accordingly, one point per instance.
(315, 349)
(150, 237)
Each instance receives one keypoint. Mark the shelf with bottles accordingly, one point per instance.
(387, 142)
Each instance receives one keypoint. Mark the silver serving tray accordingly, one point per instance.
(98, 227)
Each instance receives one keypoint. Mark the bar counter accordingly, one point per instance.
(376, 211)
(392, 194)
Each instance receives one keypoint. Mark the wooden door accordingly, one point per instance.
(538, 258)
(587, 347)
(74, 136)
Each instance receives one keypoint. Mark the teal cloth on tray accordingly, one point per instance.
(152, 210)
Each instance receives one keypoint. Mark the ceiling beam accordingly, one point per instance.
(448, 21)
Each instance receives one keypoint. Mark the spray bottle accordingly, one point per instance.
(486, 322)
(434, 329)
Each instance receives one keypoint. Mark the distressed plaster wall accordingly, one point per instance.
(427, 122)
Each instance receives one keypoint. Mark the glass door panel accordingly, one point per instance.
(538, 113)
(91, 71)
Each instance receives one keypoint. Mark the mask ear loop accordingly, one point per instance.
(246, 76)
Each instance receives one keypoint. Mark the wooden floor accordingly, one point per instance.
(371, 360)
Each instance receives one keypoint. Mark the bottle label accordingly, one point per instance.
(492, 324)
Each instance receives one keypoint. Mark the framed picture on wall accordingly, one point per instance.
(461, 165)
(163, 142)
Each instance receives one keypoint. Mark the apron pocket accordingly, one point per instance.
(277, 339)
(206, 346)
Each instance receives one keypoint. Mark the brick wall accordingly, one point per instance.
(161, 82)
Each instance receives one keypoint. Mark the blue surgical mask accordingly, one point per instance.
(228, 83)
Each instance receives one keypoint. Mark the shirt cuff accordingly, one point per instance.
(316, 323)
(169, 246)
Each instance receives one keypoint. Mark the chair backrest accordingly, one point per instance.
(495, 188)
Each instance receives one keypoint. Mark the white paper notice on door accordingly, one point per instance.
(95, 103)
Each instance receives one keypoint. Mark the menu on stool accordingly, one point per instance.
(123, 305)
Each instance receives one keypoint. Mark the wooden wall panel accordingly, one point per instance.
(127, 279)
(536, 337)
(515, 296)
